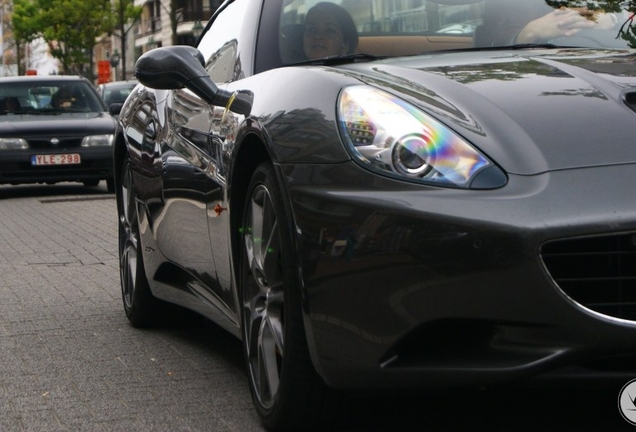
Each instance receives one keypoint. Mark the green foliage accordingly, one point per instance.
(126, 11)
(25, 26)
(125, 14)
(69, 27)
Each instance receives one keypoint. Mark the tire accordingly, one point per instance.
(286, 390)
(90, 183)
(141, 307)
(110, 185)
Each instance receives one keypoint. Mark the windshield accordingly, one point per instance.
(48, 97)
(116, 93)
(386, 28)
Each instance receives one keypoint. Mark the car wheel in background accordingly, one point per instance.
(287, 391)
(110, 185)
(91, 183)
(140, 305)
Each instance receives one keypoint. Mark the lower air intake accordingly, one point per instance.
(630, 101)
(597, 272)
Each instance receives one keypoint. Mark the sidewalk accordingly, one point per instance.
(69, 358)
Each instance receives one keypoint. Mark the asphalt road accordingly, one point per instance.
(69, 360)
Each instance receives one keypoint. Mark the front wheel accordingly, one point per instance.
(286, 390)
(141, 307)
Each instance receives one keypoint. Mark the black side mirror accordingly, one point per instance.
(182, 66)
(115, 108)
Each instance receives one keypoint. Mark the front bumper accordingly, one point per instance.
(411, 286)
(96, 164)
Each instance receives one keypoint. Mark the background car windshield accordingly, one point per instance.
(48, 97)
(117, 93)
(395, 28)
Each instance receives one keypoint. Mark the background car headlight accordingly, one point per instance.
(13, 144)
(98, 140)
(394, 138)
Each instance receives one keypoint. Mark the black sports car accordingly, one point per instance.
(371, 201)
(54, 129)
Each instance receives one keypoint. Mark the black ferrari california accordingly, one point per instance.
(382, 195)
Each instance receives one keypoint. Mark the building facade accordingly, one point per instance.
(162, 23)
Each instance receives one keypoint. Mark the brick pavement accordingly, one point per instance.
(69, 360)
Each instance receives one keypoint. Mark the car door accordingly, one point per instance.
(225, 63)
(181, 229)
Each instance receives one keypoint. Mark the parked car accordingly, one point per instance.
(413, 209)
(116, 91)
(54, 129)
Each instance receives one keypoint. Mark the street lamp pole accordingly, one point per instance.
(2, 36)
(114, 62)
(151, 43)
(197, 29)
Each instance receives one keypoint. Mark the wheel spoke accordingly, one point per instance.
(270, 244)
(256, 228)
(264, 240)
(256, 314)
(275, 318)
(128, 266)
(128, 199)
(268, 361)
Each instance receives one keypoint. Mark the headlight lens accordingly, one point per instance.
(98, 140)
(13, 144)
(393, 137)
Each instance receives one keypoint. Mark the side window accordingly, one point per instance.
(219, 45)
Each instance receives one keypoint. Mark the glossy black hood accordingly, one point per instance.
(530, 111)
(76, 124)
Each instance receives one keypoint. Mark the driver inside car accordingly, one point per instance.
(329, 31)
(63, 98)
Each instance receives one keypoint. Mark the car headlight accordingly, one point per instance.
(392, 137)
(13, 144)
(98, 140)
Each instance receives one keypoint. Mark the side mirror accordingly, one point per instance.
(115, 108)
(182, 66)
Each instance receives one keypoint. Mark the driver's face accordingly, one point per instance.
(323, 36)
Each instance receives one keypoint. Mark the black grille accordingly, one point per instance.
(630, 100)
(597, 272)
(64, 143)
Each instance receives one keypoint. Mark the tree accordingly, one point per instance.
(176, 10)
(69, 27)
(174, 20)
(125, 14)
(25, 28)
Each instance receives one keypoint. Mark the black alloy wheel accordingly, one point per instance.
(287, 392)
(140, 305)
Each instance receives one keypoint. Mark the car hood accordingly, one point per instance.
(66, 124)
(529, 111)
